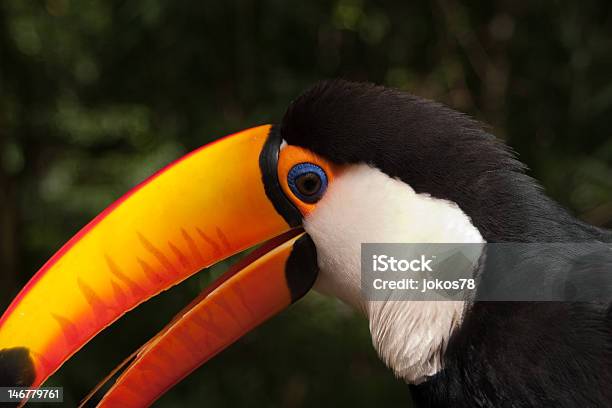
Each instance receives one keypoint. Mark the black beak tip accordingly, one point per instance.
(16, 367)
(16, 370)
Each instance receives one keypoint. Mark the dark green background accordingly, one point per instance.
(96, 95)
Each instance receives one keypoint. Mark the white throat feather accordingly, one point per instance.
(365, 205)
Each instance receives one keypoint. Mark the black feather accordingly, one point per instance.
(435, 150)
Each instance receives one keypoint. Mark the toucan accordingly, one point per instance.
(350, 163)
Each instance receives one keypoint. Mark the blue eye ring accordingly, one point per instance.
(307, 181)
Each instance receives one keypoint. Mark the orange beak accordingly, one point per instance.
(215, 202)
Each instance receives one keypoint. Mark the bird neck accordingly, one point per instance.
(411, 336)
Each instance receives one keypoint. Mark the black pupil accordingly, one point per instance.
(308, 183)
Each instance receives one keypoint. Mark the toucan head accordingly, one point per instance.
(349, 163)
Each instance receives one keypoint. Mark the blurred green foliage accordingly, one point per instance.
(95, 95)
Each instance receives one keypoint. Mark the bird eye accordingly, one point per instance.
(307, 181)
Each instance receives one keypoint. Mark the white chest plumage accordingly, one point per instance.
(365, 205)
